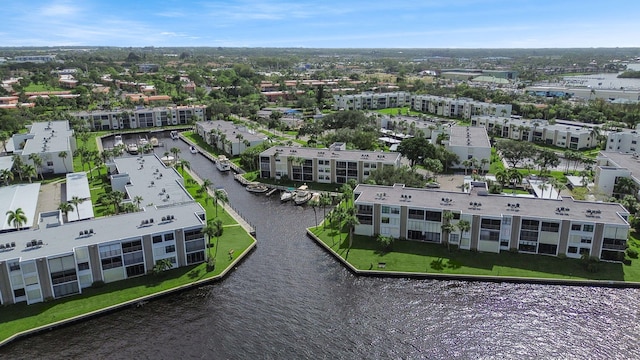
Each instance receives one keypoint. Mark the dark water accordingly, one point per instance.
(290, 300)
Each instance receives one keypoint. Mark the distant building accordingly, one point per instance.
(371, 101)
(469, 143)
(232, 138)
(333, 165)
(141, 118)
(458, 108)
(35, 58)
(624, 141)
(147, 68)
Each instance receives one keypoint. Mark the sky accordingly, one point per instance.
(322, 24)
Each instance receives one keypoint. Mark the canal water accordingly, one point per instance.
(291, 300)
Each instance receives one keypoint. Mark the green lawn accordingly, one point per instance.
(403, 111)
(33, 87)
(420, 257)
(198, 140)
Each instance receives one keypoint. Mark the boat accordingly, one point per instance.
(142, 142)
(132, 149)
(117, 141)
(193, 149)
(315, 197)
(302, 195)
(174, 135)
(154, 141)
(256, 187)
(223, 164)
(287, 195)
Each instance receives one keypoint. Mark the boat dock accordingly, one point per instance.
(270, 192)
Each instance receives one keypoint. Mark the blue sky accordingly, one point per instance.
(324, 24)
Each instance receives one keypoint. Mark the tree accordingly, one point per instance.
(447, 227)
(385, 242)
(463, 226)
(16, 218)
(18, 165)
(325, 200)
(7, 176)
(37, 162)
(434, 166)
(219, 195)
(65, 208)
(175, 151)
(515, 178)
(515, 151)
(314, 203)
(75, 201)
(415, 149)
(351, 221)
(545, 159)
(162, 265)
(4, 136)
(30, 171)
(218, 229)
(625, 186)
(137, 200)
(183, 164)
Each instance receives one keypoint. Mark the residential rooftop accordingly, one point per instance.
(492, 205)
(230, 130)
(346, 155)
(24, 196)
(474, 136)
(52, 136)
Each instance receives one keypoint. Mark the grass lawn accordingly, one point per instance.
(33, 87)
(198, 140)
(421, 257)
(403, 111)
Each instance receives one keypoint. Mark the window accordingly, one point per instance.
(168, 237)
(385, 220)
(385, 209)
(18, 293)
(434, 216)
(572, 250)
(14, 266)
(416, 214)
(195, 257)
(157, 239)
(135, 270)
(49, 163)
(550, 227)
(547, 249)
(587, 228)
(576, 227)
(83, 266)
(170, 249)
(585, 240)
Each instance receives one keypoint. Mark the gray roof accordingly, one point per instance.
(347, 155)
(6, 162)
(231, 130)
(145, 169)
(53, 134)
(78, 185)
(491, 205)
(63, 239)
(24, 196)
(473, 136)
(628, 161)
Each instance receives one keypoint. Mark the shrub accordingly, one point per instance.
(562, 256)
(385, 242)
(632, 253)
(626, 262)
(97, 284)
(513, 250)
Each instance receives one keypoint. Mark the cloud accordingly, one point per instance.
(58, 9)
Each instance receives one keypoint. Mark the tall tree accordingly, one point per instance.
(65, 208)
(37, 162)
(416, 149)
(76, 201)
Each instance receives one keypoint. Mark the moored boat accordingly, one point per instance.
(193, 149)
(154, 141)
(117, 141)
(223, 164)
(287, 195)
(302, 195)
(256, 187)
(174, 135)
(132, 149)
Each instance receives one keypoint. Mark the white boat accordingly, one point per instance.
(132, 149)
(174, 135)
(223, 164)
(257, 187)
(117, 141)
(154, 142)
(287, 195)
(142, 142)
(193, 149)
(315, 197)
(302, 195)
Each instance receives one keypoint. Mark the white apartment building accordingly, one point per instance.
(624, 141)
(47, 140)
(371, 101)
(469, 142)
(141, 117)
(612, 166)
(334, 165)
(232, 138)
(459, 108)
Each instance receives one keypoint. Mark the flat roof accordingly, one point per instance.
(63, 239)
(230, 130)
(143, 170)
(24, 196)
(347, 155)
(491, 205)
(472, 136)
(78, 185)
(54, 134)
(628, 161)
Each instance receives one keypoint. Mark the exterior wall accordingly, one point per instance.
(6, 297)
(142, 118)
(605, 178)
(624, 142)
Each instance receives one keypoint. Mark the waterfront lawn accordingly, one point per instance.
(198, 140)
(420, 257)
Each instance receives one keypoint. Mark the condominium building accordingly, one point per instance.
(469, 143)
(497, 223)
(57, 259)
(141, 117)
(370, 101)
(47, 140)
(231, 138)
(460, 108)
(562, 133)
(624, 141)
(611, 166)
(334, 165)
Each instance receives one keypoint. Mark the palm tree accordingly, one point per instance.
(209, 232)
(218, 227)
(543, 187)
(183, 164)
(4, 136)
(16, 218)
(137, 200)
(77, 201)
(325, 200)
(515, 177)
(447, 227)
(65, 207)
(18, 165)
(30, 171)
(63, 155)
(7, 176)
(463, 226)
(625, 186)
(37, 162)
(219, 195)
(314, 203)
(239, 137)
(175, 151)
(351, 221)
